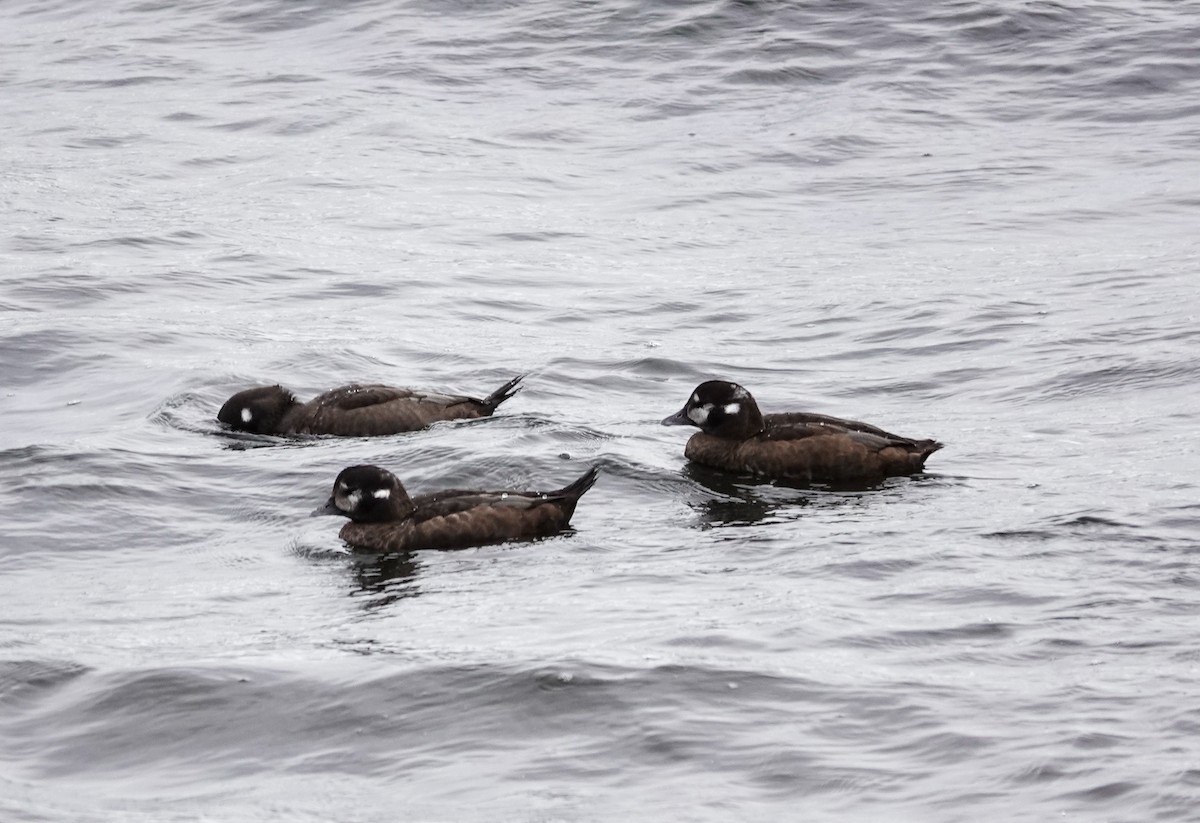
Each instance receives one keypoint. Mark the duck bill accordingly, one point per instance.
(328, 508)
(680, 418)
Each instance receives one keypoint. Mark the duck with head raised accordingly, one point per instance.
(736, 437)
(383, 518)
(354, 410)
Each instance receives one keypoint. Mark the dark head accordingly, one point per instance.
(368, 494)
(259, 411)
(722, 409)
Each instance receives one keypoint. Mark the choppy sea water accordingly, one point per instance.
(973, 221)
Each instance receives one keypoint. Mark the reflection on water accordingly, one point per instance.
(385, 578)
(737, 501)
(744, 500)
(929, 250)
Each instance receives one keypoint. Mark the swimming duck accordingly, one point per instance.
(354, 411)
(736, 437)
(383, 518)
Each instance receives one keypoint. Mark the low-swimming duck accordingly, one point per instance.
(383, 518)
(354, 410)
(736, 437)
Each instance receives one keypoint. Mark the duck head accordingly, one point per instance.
(368, 494)
(722, 409)
(258, 411)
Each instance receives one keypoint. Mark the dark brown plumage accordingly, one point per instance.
(385, 519)
(808, 448)
(354, 411)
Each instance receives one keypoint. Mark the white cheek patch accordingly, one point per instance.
(699, 414)
(381, 494)
(247, 415)
(733, 408)
(353, 499)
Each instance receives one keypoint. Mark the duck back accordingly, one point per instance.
(455, 518)
(814, 448)
(374, 410)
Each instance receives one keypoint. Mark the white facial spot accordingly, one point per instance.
(247, 415)
(740, 394)
(733, 408)
(381, 494)
(695, 397)
(699, 414)
(353, 499)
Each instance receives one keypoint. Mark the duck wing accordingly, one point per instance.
(801, 425)
(350, 398)
(453, 501)
(457, 518)
(358, 396)
(364, 410)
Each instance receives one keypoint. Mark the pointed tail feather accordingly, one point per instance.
(580, 486)
(921, 451)
(503, 393)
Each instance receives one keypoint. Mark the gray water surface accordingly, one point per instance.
(974, 221)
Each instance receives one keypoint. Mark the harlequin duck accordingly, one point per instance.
(383, 518)
(354, 411)
(810, 448)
